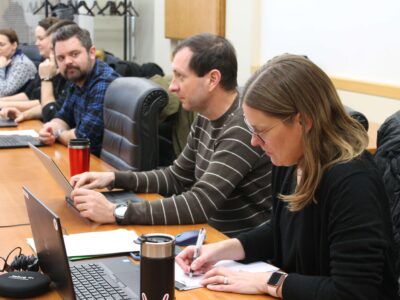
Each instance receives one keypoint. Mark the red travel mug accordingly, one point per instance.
(79, 156)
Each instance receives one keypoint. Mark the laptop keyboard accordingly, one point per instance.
(91, 282)
(11, 141)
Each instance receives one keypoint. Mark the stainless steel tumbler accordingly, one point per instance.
(157, 267)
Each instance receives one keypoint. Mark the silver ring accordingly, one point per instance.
(226, 280)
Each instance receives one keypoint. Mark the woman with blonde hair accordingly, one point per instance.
(330, 233)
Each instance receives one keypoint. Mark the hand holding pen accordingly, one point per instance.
(199, 243)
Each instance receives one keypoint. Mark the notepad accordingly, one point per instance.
(89, 244)
(184, 282)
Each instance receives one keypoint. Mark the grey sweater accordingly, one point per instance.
(14, 76)
(219, 178)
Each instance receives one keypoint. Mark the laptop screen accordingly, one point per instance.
(49, 243)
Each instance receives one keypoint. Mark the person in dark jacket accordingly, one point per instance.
(330, 232)
(387, 157)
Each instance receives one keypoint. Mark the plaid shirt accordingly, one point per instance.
(83, 107)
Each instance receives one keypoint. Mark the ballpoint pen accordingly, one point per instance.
(199, 243)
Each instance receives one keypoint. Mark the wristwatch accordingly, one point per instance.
(119, 212)
(274, 282)
(46, 78)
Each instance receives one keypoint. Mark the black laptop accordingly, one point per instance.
(104, 278)
(57, 174)
(7, 123)
(18, 141)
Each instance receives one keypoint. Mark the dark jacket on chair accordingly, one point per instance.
(387, 158)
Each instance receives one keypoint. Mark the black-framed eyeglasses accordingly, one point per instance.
(258, 134)
(6, 262)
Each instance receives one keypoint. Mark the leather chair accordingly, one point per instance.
(360, 117)
(131, 110)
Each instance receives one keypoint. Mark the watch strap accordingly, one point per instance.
(46, 78)
(275, 282)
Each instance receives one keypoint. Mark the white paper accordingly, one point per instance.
(194, 282)
(30, 132)
(98, 243)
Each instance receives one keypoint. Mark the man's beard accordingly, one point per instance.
(77, 77)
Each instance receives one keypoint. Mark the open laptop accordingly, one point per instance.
(116, 276)
(7, 123)
(57, 174)
(18, 139)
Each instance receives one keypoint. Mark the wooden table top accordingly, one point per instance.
(20, 167)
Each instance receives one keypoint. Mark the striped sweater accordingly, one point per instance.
(219, 178)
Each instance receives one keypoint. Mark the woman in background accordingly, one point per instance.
(330, 232)
(16, 69)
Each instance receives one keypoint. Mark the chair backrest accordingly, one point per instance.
(131, 110)
(356, 115)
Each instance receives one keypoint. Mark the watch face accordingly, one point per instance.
(275, 277)
(120, 211)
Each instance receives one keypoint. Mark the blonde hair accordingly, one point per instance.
(291, 84)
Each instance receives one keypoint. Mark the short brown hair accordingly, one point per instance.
(10, 34)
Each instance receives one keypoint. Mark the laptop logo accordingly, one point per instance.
(55, 224)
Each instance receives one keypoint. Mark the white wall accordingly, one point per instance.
(355, 39)
(349, 39)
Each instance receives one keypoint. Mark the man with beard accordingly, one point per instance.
(81, 115)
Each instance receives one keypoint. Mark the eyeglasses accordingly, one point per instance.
(258, 134)
(5, 263)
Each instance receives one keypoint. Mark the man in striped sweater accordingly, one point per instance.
(219, 177)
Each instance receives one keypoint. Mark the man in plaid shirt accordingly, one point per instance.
(81, 115)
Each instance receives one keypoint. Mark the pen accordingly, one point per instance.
(199, 243)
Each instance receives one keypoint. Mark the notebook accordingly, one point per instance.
(57, 174)
(111, 278)
(8, 123)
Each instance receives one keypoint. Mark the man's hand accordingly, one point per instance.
(93, 205)
(92, 180)
(46, 134)
(12, 113)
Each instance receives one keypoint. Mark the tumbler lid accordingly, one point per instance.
(157, 245)
(79, 143)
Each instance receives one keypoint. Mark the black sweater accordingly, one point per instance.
(338, 248)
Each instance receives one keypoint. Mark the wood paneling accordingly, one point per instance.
(184, 18)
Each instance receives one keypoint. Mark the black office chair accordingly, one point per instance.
(32, 52)
(131, 110)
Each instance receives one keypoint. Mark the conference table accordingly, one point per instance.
(20, 167)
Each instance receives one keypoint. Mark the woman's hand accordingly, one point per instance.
(209, 255)
(4, 61)
(225, 280)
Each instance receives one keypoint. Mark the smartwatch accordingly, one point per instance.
(119, 212)
(274, 282)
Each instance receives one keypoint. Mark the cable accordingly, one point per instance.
(15, 225)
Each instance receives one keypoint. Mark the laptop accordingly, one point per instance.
(112, 196)
(111, 278)
(18, 141)
(7, 123)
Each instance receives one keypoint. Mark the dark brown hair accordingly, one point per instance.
(212, 52)
(48, 22)
(10, 34)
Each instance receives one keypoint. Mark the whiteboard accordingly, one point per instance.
(352, 39)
